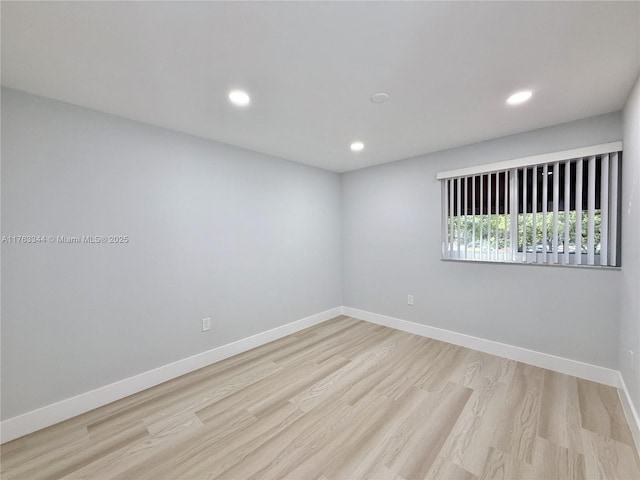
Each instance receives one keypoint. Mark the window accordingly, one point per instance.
(559, 209)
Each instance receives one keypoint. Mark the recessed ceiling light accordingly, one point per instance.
(357, 146)
(239, 98)
(519, 97)
(379, 97)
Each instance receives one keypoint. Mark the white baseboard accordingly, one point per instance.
(633, 419)
(578, 369)
(57, 412)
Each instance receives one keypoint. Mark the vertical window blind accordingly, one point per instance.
(558, 209)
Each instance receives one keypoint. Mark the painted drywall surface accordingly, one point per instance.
(630, 284)
(391, 249)
(251, 240)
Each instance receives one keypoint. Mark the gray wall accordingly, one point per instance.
(214, 230)
(391, 248)
(630, 284)
(255, 242)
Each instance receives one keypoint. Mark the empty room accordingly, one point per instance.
(320, 240)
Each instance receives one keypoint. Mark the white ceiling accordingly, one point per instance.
(311, 67)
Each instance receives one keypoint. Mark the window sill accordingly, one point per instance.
(548, 265)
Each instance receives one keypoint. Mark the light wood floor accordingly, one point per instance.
(345, 400)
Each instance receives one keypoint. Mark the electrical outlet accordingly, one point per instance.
(409, 299)
(206, 324)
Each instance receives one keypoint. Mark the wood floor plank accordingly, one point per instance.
(329, 451)
(444, 364)
(444, 469)
(298, 444)
(606, 458)
(185, 386)
(310, 347)
(54, 439)
(601, 411)
(260, 396)
(367, 440)
(204, 453)
(469, 442)
(560, 421)
(551, 460)
(343, 378)
(64, 461)
(161, 434)
(393, 368)
(517, 426)
(426, 430)
(344, 399)
(502, 466)
(234, 453)
(476, 366)
(210, 391)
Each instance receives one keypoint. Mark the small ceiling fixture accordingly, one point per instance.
(380, 97)
(239, 98)
(357, 146)
(519, 97)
